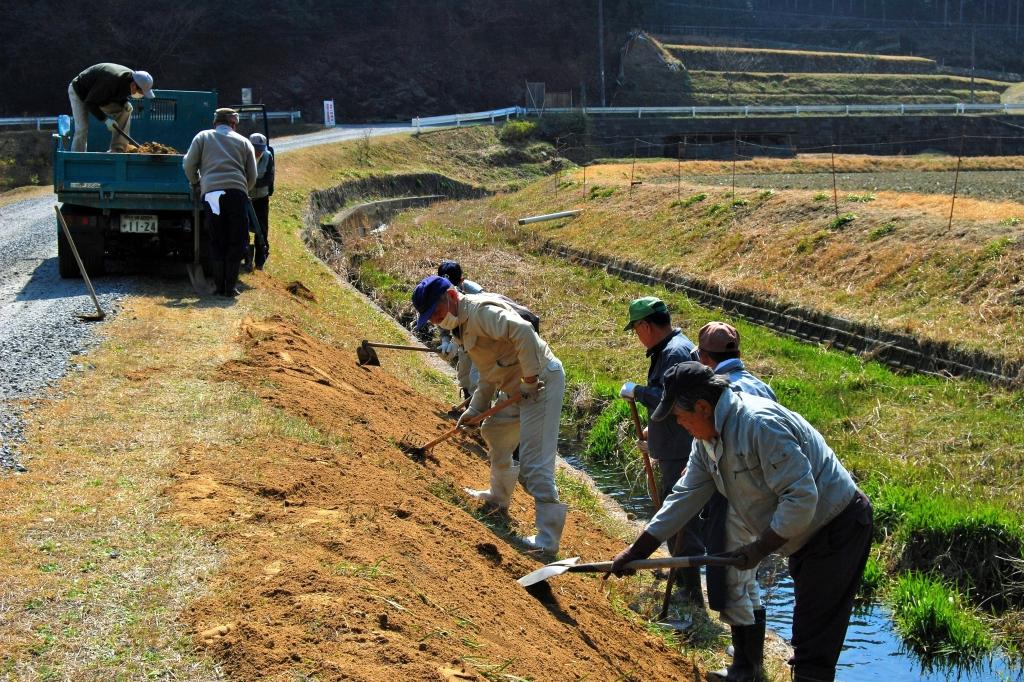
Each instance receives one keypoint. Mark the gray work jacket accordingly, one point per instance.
(774, 468)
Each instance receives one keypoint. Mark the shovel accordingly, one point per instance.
(85, 317)
(573, 566)
(366, 354)
(652, 486)
(125, 135)
(408, 446)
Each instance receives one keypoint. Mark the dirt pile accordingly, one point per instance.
(152, 148)
(347, 560)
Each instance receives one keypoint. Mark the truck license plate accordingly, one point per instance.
(138, 223)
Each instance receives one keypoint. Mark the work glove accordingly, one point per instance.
(531, 391)
(449, 349)
(642, 446)
(109, 122)
(627, 390)
(642, 548)
(758, 549)
(470, 414)
(129, 108)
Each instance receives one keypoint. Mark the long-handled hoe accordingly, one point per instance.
(572, 565)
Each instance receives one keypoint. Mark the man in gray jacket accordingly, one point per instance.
(788, 489)
(513, 359)
(223, 164)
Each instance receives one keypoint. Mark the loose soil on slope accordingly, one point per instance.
(360, 563)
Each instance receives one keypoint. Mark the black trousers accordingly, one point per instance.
(229, 238)
(826, 575)
(691, 536)
(262, 208)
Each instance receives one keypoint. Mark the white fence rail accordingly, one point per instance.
(51, 121)
(791, 110)
(458, 119)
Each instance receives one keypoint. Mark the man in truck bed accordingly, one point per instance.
(103, 91)
(223, 164)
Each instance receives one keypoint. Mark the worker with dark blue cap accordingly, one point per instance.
(512, 359)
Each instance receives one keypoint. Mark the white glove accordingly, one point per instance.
(627, 390)
(531, 391)
(642, 446)
(109, 122)
(449, 349)
(470, 414)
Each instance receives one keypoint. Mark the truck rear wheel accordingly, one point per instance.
(91, 248)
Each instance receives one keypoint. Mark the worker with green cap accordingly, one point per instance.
(667, 443)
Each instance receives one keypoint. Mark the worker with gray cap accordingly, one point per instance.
(260, 198)
(791, 493)
(103, 90)
(667, 443)
(512, 358)
(223, 164)
(734, 593)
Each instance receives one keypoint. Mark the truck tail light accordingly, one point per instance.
(80, 220)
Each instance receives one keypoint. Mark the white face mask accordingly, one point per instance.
(449, 322)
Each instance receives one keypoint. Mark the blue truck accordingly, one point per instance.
(136, 206)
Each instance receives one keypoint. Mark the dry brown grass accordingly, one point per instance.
(740, 51)
(21, 193)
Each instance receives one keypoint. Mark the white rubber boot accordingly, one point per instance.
(550, 522)
(503, 483)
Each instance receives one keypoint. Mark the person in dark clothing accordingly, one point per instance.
(260, 197)
(667, 442)
(223, 164)
(103, 90)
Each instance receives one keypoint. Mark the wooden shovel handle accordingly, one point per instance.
(475, 420)
(668, 562)
(652, 486)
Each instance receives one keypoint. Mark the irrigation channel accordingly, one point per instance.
(873, 651)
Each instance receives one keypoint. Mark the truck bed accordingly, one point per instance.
(121, 181)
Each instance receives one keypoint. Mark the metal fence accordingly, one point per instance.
(51, 121)
(476, 117)
(792, 110)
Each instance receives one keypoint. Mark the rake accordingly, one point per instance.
(409, 445)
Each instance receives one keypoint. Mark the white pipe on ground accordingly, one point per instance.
(549, 216)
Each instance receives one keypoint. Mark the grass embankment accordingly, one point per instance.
(923, 446)
(713, 58)
(747, 87)
(215, 492)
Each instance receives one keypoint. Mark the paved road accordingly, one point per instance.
(39, 331)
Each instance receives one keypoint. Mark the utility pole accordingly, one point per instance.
(972, 65)
(600, 44)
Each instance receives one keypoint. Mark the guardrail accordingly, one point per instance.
(458, 119)
(790, 110)
(51, 121)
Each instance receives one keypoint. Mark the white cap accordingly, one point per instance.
(145, 82)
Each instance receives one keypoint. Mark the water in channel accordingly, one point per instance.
(873, 649)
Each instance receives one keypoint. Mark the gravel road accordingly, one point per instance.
(39, 331)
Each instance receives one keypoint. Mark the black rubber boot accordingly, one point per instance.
(748, 657)
(689, 580)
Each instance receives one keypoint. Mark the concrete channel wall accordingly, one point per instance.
(726, 137)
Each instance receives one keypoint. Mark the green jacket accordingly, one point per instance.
(103, 84)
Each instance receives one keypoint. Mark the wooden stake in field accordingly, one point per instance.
(632, 169)
(735, 153)
(956, 177)
(679, 168)
(835, 192)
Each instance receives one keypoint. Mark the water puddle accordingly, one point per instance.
(873, 649)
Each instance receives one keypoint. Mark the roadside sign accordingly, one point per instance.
(329, 113)
(246, 95)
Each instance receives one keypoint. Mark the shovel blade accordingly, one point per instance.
(367, 355)
(200, 284)
(549, 571)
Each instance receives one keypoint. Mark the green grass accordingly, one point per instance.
(689, 201)
(841, 221)
(881, 231)
(932, 620)
(517, 132)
